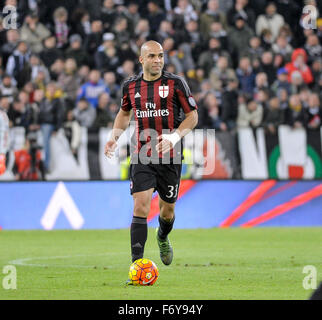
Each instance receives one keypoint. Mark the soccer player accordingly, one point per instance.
(158, 100)
(4, 138)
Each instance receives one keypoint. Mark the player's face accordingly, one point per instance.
(153, 61)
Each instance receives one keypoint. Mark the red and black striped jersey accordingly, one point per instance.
(159, 104)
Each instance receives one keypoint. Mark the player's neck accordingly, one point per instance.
(149, 77)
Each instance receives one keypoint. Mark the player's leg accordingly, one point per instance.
(139, 227)
(166, 218)
(166, 221)
(168, 182)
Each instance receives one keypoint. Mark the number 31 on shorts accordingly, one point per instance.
(173, 191)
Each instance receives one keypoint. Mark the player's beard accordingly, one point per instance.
(153, 71)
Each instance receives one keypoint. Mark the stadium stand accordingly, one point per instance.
(249, 63)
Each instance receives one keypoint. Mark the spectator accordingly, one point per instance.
(191, 36)
(241, 8)
(267, 39)
(281, 81)
(103, 117)
(246, 76)
(107, 57)
(28, 164)
(267, 66)
(69, 80)
(155, 15)
(230, 103)
(125, 52)
(125, 71)
(221, 74)
(80, 22)
(170, 55)
(217, 31)
(50, 53)
(110, 82)
(120, 29)
(254, 51)
(304, 94)
(60, 17)
(183, 13)
(12, 37)
(271, 20)
(32, 111)
(295, 115)
(281, 46)
(250, 114)
(208, 59)
(51, 116)
(73, 133)
(7, 88)
(94, 39)
(212, 14)
(262, 97)
(92, 89)
(239, 37)
(83, 74)
(34, 32)
(132, 15)
(184, 56)
(297, 82)
(165, 31)
(279, 61)
(298, 63)
(274, 116)
(75, 51)
(316, 70)
(84, 113)
(142, 29)
(314, 112)
(210, 117)
(20, 114)
(283, 97)
(56, 69)
(108, 15)
(37, 66)
(313, 48)
(17, 66)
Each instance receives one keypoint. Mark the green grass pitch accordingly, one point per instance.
(258, 263)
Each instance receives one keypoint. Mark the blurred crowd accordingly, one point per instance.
(249, 63)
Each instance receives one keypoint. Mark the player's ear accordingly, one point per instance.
(141, 59)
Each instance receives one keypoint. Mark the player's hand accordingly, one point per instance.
(2, 164)
(110, 148)
(167, 142)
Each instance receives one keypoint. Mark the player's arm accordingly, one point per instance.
(170, 140)
(189, 106)
(121, 122)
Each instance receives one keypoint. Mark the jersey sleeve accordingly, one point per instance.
(185, 97)
(125, 100)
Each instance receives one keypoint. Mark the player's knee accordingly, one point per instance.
(167, 212)
(141, 209)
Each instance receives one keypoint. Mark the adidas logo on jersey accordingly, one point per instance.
(137, 95)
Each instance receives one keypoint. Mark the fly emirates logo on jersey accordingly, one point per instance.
(151, 111)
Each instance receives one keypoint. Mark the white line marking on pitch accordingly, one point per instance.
(24, 261)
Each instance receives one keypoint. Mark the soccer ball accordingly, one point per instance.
(143, 272)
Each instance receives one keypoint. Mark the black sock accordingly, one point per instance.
(139, 234)
(165, 227)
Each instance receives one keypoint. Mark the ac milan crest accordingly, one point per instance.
(163, 91)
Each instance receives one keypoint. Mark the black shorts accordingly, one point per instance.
(164, 178)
